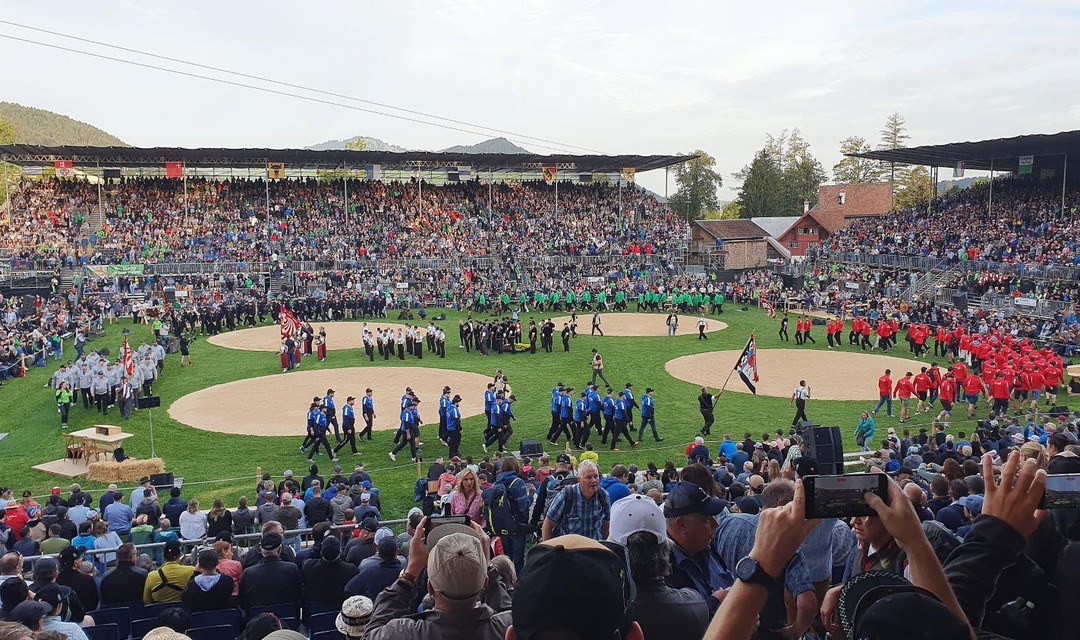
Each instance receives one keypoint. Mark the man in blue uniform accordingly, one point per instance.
(321, 427)
(367, 408)
(648, 415)
(348, 426)
(331, 413)
(453, 426)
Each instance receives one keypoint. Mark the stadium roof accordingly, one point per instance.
(1049, 151)
(35, 155)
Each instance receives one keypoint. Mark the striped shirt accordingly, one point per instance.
(584, 517)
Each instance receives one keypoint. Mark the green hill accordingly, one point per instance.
(38, 126)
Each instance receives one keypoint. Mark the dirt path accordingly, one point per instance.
(339, 335)
(277, 405)
(637, 324)
(831, 375)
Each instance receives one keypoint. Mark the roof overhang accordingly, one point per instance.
(1000, 154)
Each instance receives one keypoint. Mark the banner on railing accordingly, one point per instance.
(114, 270)
(1026, 302)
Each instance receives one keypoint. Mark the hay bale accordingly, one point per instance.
(127, 471)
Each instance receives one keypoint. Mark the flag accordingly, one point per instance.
(129, 360)
(464, 173)
(628, 174)
(958, 170)
(549, 174)
(275, 170)
(290, 324)
(174, 170)
(373, 171)
(585, 178)
(64, 168)
(747, 365)
(1026, 162)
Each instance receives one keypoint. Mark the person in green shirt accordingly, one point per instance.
(556, 301)
(586, 300)
(620, 301)
(55, 543)
(601, 300)
(570, 299)
(717, 303)
(539, 300)
(63, 403)
(640, 301)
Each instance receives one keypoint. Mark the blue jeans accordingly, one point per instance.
(884, 400)
(514, 547)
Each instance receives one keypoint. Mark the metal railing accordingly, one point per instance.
(187, 545)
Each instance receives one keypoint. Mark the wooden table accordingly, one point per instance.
(1073, 370)
(84, 443)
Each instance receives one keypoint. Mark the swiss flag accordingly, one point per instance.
(64, 168)
(174, 170)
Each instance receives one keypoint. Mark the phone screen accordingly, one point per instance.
(435, 521)
(1062, 491)
(842, 496)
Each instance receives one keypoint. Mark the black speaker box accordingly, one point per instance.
(825, 445)
(150, 402)
(960, 301)
(1058, 411)
(817, 322)
(531, 448)
(162, 481)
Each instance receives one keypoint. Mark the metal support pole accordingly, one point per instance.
(1064, 175)
(345, 180)
(7, 193)
(183, 174)
(100, 204)
(267, 178)
(420, 184)
(667, 170)
(491, 179)
(990, 204)
(556, 193)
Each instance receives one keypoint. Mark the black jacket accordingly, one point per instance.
(83, 585)
(317, 510)
(359, 550)
(218, 596)
(123, 584)
(325, 581)
(271, 581)
(664, 612)
(254, 556)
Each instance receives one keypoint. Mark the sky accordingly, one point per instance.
(629, 77)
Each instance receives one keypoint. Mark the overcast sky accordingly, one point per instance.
(627, 77)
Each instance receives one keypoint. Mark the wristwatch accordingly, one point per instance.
(748, 570)
(407, 578)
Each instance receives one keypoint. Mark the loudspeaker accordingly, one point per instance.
(825, 445)
(162, 481)
(170, 294)
(1058, 411)
(149, 402)
(531, 448)
(817, 322)
(960, 301)
(119, 455)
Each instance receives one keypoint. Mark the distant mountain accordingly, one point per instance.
(38, 126)
(495, 145)
(373, 144)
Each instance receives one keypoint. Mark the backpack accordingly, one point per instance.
(500, 511)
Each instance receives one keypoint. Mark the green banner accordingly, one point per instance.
(113, 270)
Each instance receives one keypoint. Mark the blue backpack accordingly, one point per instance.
(500, 510)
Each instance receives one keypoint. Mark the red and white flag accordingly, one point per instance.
(64, 168)
(129, 359)
(747, 365)
(174, 170)
(290, 324)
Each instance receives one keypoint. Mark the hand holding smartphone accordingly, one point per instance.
(1062, 491)
(435, 521)
(842, 496)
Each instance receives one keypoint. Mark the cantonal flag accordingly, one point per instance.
(1026, 162)
(290, 324)
(174, 170)
(129, 360)
(747, 365)
(64, 168)
(549, 174)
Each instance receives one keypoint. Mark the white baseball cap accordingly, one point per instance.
(636, 513)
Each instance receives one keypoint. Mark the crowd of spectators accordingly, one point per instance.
(655, 552)
(226, 220)
(1026, 224)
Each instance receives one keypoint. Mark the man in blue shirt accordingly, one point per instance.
(594, 410)
(631, 404)
(556, 419)
(728, 448)
(321, 428)
(491, 435)
(119, 516)
(405, 431)
(506, 414)
(331, 413)
(580, 508)
(367, 408)
(648, 415)
(444, 403)
(695, 563)
(348, 426)
(581, 427)
(622, 412)
(453, 426)
(607, 406)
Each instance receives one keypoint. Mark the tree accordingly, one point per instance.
(915, 188)
(893, 136)
(356, 144)
(9, 173)
(803, 175)
(731, 210)
(856, 170)
(762, 191)
(697, 183)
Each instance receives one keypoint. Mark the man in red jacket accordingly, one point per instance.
(973, 386)
(947, 394)
(999, 391)
(922, 390)
(904, 390)
(884, 385)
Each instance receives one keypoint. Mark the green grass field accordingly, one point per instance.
(216, 465)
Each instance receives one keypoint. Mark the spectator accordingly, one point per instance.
(365, 509)
(373, 577)
(192, 522)
(124, 583)
(317, 508)
(45, 572)
(56, 542)
(254, 555)
(168, 582)
(363, 546)
(638, 523)
(615, 484)
(84, 586)
(580, 508)
(53, 600)
(229, 565)
(174, 506)
(243, 520)
(466, 498)
(273, 580)
(218, 520)
(691, 513)
(326, 576)
(412, 521)
(594, 605)
(209, 589)
(354, 616)
(456, 560)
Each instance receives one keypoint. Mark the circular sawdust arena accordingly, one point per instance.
(831, 375)
(277, 405)
(627, 325)
(339, 335)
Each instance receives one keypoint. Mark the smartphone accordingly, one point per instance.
(842, 496)
(435, 521)
(1062, 491)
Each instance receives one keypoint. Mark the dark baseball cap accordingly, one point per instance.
(563, 458)
(29, 613)
(50, 595)
(878, 604)
(806, 466)
(370, 524)
(687, 498)
(69, 554)
(271, 541)
(595, 604)
(172, 549)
